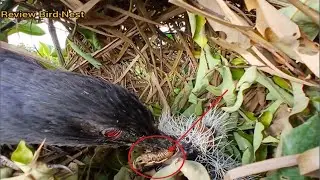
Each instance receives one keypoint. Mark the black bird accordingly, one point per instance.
(66, 108)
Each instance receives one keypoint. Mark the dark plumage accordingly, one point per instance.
(65, 108)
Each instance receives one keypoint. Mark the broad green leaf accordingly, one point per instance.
(314, 95)
(3, 37)
(270, 139)
(274, 106)
(247, 157)
(22, 154)
(249, 76)
(244, 83)
(266, 118)
(213, 60)
(238, 61)
(304, 22)
(274, 89)
(250, 115)
(287, 174)
(246, 147)
(227, 83)
(190, 110)
(198, 109)
(201, 81)
(86, 56)
(200, 35)
(248, 137)
(44, 50)
(239, 101)
(196, 54)
(182, 98)
(257, 136)
(303, 137)
(298, 140)
(28, 27)
(261, 153)
(206, 65)
(193, 22)
(214, 90)
(300, 100)
(247, 125)
(237, 73)
(282, 83)
(169, 35)
(91, 37)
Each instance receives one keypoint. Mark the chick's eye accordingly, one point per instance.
(112, 133)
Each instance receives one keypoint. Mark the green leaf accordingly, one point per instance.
(299, 140)
(238, 61)
(266, 118)
(190, 110)
(182, 98)
(247, 125)
(244, 83)
(193, 22)
(169, 35)
(86, 56)
(246, 147)
(199, 35)
(262, 153)
(28, 27)
(257, 136)
(3, 37)
(282, 83)
(227, 83)
(303, 137)
(198, 109)
(44, 50)
(250, 115)
(214, 90)
(314, 95)
(237, 73)
(300, 100)
(274, 89)
(201, 81)
(270, 139)
(287, 174)
(22, 154)
(91, 37)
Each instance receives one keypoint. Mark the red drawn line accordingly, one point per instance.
(212, 104)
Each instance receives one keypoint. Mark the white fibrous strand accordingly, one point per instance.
(209, 137)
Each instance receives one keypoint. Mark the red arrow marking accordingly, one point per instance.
(212, 104)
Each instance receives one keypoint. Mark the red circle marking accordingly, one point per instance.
(184, 156)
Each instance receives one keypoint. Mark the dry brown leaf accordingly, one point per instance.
(280, 121)
(233, 36)
(283, 33)
(86, 7)
(269, 17)
(72, 4)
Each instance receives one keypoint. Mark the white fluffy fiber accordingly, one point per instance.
(213, 158)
